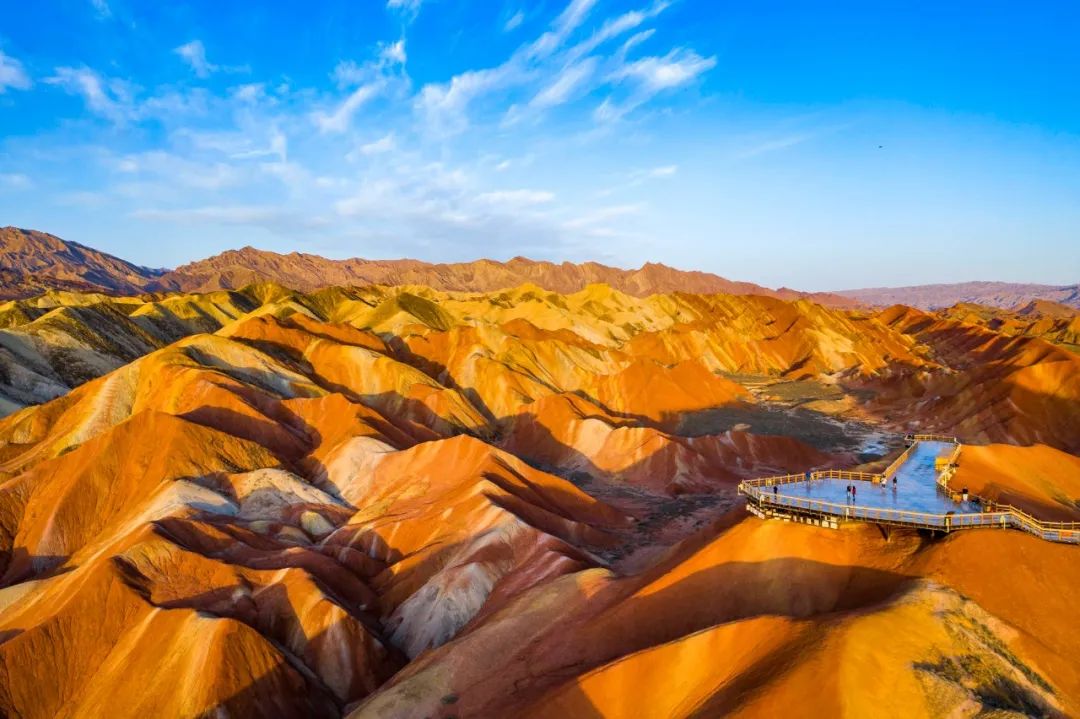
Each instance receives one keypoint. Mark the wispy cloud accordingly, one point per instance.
(194, 54)
(774, 144)
(394, 52)
(12, 74)
(565, 85)
(678, 67)
(368, 80)
(516, 198)
(558, 71)
(339, 120)
(15, 181)
(386, 143)
(108, 98)
(181, 171)
(650, 76)
(598, 222)
(567, 21)
(639, 177)
(101, 9)
(514, 21)
(654, 173)
(408, 9)
(379, 161)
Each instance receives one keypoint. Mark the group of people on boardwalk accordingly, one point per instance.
(853, 488)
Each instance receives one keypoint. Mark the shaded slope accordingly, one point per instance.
(765, 618)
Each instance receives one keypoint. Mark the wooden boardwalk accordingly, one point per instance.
(767, 498)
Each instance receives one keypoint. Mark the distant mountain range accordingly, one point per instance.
(33, 262)
(994, 294)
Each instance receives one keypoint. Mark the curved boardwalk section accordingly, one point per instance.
(912, 492)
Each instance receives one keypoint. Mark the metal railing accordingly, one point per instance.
(1002, 516)
(818, 474)
(896, 463)
(934, 438)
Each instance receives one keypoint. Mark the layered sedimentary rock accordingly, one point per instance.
(398, 501)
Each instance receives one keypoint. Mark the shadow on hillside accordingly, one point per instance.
(19, 565)
(638, 615)
(976, 397)
(543, 450)
(816, 429)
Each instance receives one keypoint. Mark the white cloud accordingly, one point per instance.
(565, 85)
(15, 181)
(239, 145)
(514, 21)
(110, 99)
(408, 9)
(614, 27)
(261, 154)
(678, 67)
(12, 74)
(445, 105)
(339, 120)
(774, 144)
(602, 215)
(635, 40)
(194, 54)
(347, 74)
(516, 198)
(568, 20)
(250, 93)
(369, 80)
(394, 52)
(386, 143)
(101, 9)
(181, 171)
(558, 72)
(651, 76)
(172, 105)
(663, 171)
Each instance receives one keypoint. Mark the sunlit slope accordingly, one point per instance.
(1053, 322)
(659, 359)
(403, 502)
(991, 387)
(1041, 480)
(212, 510)
(771, 618)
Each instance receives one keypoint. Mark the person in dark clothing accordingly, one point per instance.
(894, 482)
(853, 493)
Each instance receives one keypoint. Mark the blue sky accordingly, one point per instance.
(812, 145)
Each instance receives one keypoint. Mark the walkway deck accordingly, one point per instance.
(918, 499)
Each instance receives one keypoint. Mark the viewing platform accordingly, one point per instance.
(912, 492)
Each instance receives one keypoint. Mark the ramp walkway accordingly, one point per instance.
(918, 498)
